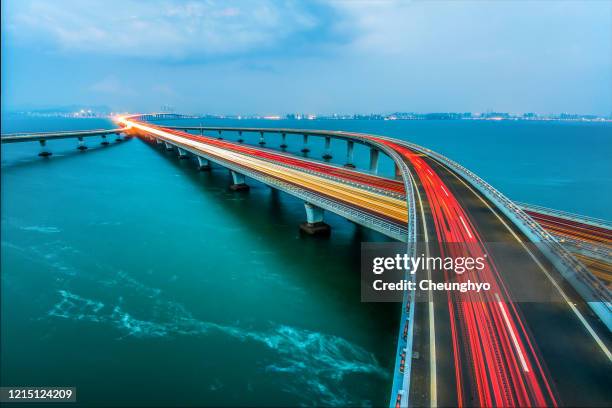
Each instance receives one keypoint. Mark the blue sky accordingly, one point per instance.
(274, 57)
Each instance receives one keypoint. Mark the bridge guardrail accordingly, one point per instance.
(598, 222)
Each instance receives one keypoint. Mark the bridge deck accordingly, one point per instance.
(35, 137)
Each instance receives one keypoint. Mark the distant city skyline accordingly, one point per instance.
(324, 57)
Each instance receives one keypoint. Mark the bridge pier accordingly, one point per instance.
(168, 146)
(203, 164)
(158, 141)
(240, 139)
(219, 137)
(44, 152)
(119, 138)
(398, 172)
(104, 141)
(327, 155)
(182, 154)
(314, 224)
(350, 146)
(374, 160)
(238, 182)
(305, 149)
(81, 144)
(262, 139)
(284, 141)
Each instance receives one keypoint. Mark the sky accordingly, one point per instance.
(276, 57)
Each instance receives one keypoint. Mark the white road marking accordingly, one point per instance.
(465, 226)
(514, 340)
(443, 189)
(433, 383)
(586, 324)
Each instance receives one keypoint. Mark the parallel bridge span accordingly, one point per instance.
(43, 137)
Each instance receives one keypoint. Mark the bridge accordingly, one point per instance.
(452, 349)
(43, 137)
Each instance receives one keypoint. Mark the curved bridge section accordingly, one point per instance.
(453, 349)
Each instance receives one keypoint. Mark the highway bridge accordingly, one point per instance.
(43, 137)
(459, 349)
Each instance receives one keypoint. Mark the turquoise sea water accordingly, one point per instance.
(137, 279)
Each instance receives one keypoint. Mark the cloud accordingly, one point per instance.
(164, 29)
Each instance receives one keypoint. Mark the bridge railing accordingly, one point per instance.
(570, 268)
(598, 222)
(591, 249)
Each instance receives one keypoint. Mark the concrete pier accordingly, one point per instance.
(374, 160)
(314, 224)
(240, 139)
(44, 151)
(119, 138)
(81, 144)
(262, 139)
(238, 182)
(350, 146)
(203, 164)
(168, 146)
(397, 173)
(104, 141)
(159, 141)
(284, 141)
(182, 154)
(219, 137)
(305, 149)
(327, 155)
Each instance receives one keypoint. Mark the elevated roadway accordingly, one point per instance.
(43, 137)
(461, 349)
(498, 348)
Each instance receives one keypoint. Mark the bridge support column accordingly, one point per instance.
(238, 182)
(104, 141)
(305, 149)
(262, 139)
(119, 138)
(81, 144)
(158, 141)
(182, 153)
(314, 224)
(203, 164)
(44, 152)
(374, 160)
(327, 155)
(240, 139)
(284, 141)
(219, 137)
(350, 145)
(398, 173)
(168, 146)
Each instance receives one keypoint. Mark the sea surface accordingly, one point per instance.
(139, 280)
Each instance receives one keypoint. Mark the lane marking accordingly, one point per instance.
(465, 226)
(581, 318)
(443, 189)
(433, 382)
(514, 340)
